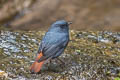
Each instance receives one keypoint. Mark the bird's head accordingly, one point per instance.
(61, 24)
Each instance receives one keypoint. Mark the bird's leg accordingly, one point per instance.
(61, 61)
(48, 60)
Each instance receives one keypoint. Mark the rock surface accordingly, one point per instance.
(89, 56)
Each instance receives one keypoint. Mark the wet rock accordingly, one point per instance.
(87, 57)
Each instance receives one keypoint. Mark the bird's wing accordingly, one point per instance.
(51, 46)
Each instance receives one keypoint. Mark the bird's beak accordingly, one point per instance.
(69, 23)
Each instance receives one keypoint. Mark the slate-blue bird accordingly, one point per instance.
(53, 44)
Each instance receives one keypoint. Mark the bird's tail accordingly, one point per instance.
(36, 66)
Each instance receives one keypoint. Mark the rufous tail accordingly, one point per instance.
(36, 66)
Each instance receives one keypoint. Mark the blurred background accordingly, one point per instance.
(40, 14)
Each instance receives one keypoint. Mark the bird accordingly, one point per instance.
(52, 44)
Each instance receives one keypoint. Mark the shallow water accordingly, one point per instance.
(89, 56)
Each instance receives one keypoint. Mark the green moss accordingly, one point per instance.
(117, 78)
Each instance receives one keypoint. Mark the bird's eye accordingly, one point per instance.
(64, 25)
